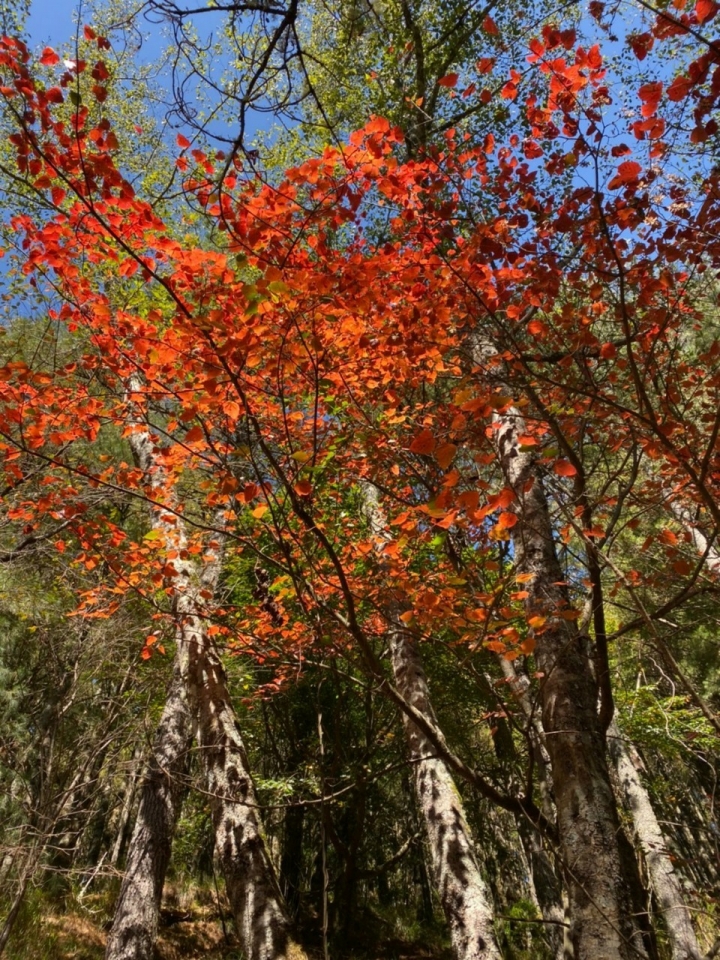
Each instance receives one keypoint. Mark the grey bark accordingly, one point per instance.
(602, 926)
(462, 891)
(126, 809)
(23, 882)
(134, 929)
(663, 879)
(252, 888)
(545, 880)
(250, 879)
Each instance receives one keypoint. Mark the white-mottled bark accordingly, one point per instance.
(663, 879)
(601, 913)
(546, 882)
(463, 894)
(700, 541)
(249, 875)
(135, 924)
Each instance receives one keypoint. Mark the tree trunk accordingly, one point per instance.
(126, 809)
(249, 875)
(547, 885)
(663, 879)
(252, 888)
(462, 891)
(292, 857)
(463, 895)
(134, 928)
(602, 926)
(23, 881)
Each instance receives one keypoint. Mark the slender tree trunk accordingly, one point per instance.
(135, 925)
(663, 879)
(292, 857)
(602, 926)
(462, 891)
(126, 809)
(545, 880)
(23, 881)
(250, 879)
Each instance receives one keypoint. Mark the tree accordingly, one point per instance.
(277, 365)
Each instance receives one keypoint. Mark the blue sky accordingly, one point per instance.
(51, 21)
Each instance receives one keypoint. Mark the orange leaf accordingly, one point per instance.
(536, 622)
(303, 488)
(193, 435)
(502, 499)
(146, 653)
(537, 328)
(528, 645)
(497, 646)
(506, 521)
(563, 468)
(627, 172)
(469, 500)
(445, 454)
(424, 443)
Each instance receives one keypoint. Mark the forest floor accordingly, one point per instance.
(190, 930)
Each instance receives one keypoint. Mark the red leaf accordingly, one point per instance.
(650, 94)
(537, 328)
(563, 468)
(626, 173)
(49, 58)
(445, 454)
(679, 88)
(705, 9)
(424, 443)
(641, 44)
(250, 492)
(89, 33)
(449, 80)
(489, 26)
(182, 142)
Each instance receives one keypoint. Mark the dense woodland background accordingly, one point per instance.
(400, 638)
